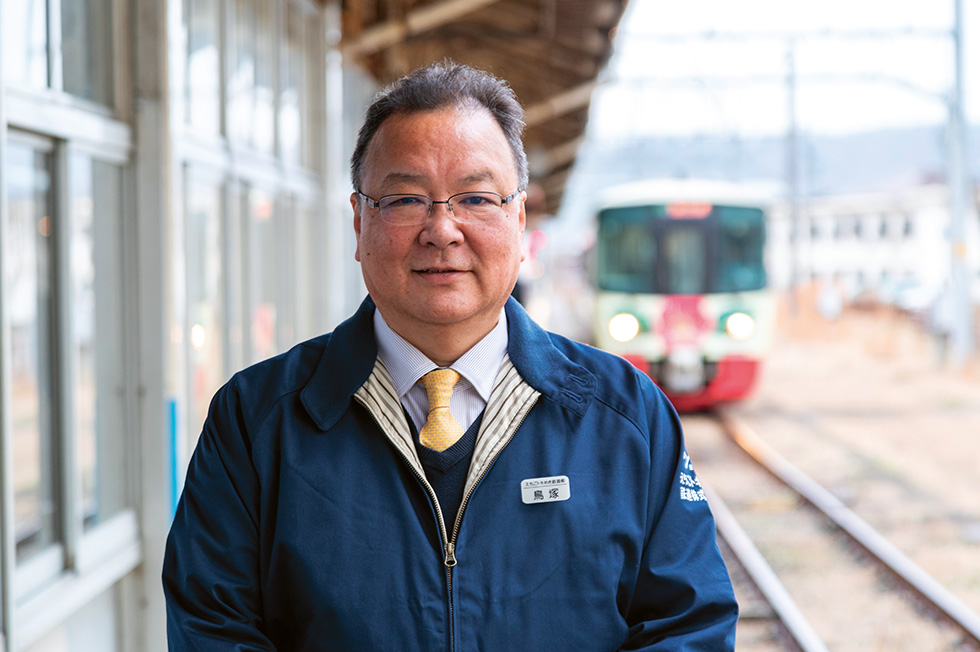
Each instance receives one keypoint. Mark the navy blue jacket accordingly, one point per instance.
(306, 524)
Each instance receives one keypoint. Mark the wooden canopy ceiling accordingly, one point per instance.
(550, 51)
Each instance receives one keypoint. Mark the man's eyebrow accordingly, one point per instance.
(402, 177)
(485, 175)
(408, 177)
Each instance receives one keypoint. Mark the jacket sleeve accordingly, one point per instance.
(683, 599)
(211, 565)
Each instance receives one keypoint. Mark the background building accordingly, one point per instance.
(888, 247)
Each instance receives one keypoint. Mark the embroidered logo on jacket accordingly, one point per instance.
(690, 485)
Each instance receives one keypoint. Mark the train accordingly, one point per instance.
(681, 286)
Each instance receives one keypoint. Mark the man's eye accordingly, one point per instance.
(402, 202)
(475, 201)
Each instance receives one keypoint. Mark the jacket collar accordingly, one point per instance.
(543, 366)
(346, 364)
(351, 351)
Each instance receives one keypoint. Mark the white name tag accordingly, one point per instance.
(545, 490)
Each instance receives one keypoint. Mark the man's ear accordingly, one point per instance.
(522, 222)
(356, 205)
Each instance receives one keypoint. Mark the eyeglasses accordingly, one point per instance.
(465, 207)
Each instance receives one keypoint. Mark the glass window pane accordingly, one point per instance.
(25, 42)
(627, 251)
(284, 276)
(86, 42)
(305, 276)
(684, 253)
(96, 308)
(28, 256)
(202, 77)
(740, 259)
(291, 100)
(241, 83)
(266, 61)
(237, 350)
(262, 263)
(308, 126)
(205, 303)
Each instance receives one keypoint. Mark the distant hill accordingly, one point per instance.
(864, 162)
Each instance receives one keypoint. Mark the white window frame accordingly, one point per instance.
(41, 593)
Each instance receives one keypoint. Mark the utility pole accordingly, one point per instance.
(958, 187)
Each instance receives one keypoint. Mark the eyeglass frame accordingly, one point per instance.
(376, 203)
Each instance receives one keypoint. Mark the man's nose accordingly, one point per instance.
(441, 228)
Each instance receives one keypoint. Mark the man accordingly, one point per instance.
(334, 502)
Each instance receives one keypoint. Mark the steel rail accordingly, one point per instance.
(764, 578)
(945, 603)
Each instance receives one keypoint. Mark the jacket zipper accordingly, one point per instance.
(449, 547)
(449, 542)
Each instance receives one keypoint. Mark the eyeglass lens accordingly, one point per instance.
(414, 209)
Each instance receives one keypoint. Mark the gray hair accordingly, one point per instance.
(440, 85)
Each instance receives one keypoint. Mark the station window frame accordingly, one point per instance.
(118, 103)
(292, 180)
(41, 593)
(31, 573)
(43, 590)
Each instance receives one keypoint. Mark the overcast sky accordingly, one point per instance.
(860, 64)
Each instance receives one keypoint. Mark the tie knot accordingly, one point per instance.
(441, 430)
(439, 386)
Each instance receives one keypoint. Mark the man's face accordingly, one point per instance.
(440, 273)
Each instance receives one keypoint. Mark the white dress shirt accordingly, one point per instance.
(477, 367)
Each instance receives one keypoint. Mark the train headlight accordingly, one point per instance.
(624, 327)
(740, 326)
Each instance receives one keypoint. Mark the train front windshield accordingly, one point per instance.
(666, 250)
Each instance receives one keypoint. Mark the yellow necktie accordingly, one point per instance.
(441, 429)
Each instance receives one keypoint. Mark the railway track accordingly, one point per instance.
(812, 575)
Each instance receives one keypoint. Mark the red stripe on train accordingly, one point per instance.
(735, 379)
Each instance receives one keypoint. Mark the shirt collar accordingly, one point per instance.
(406, 364)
